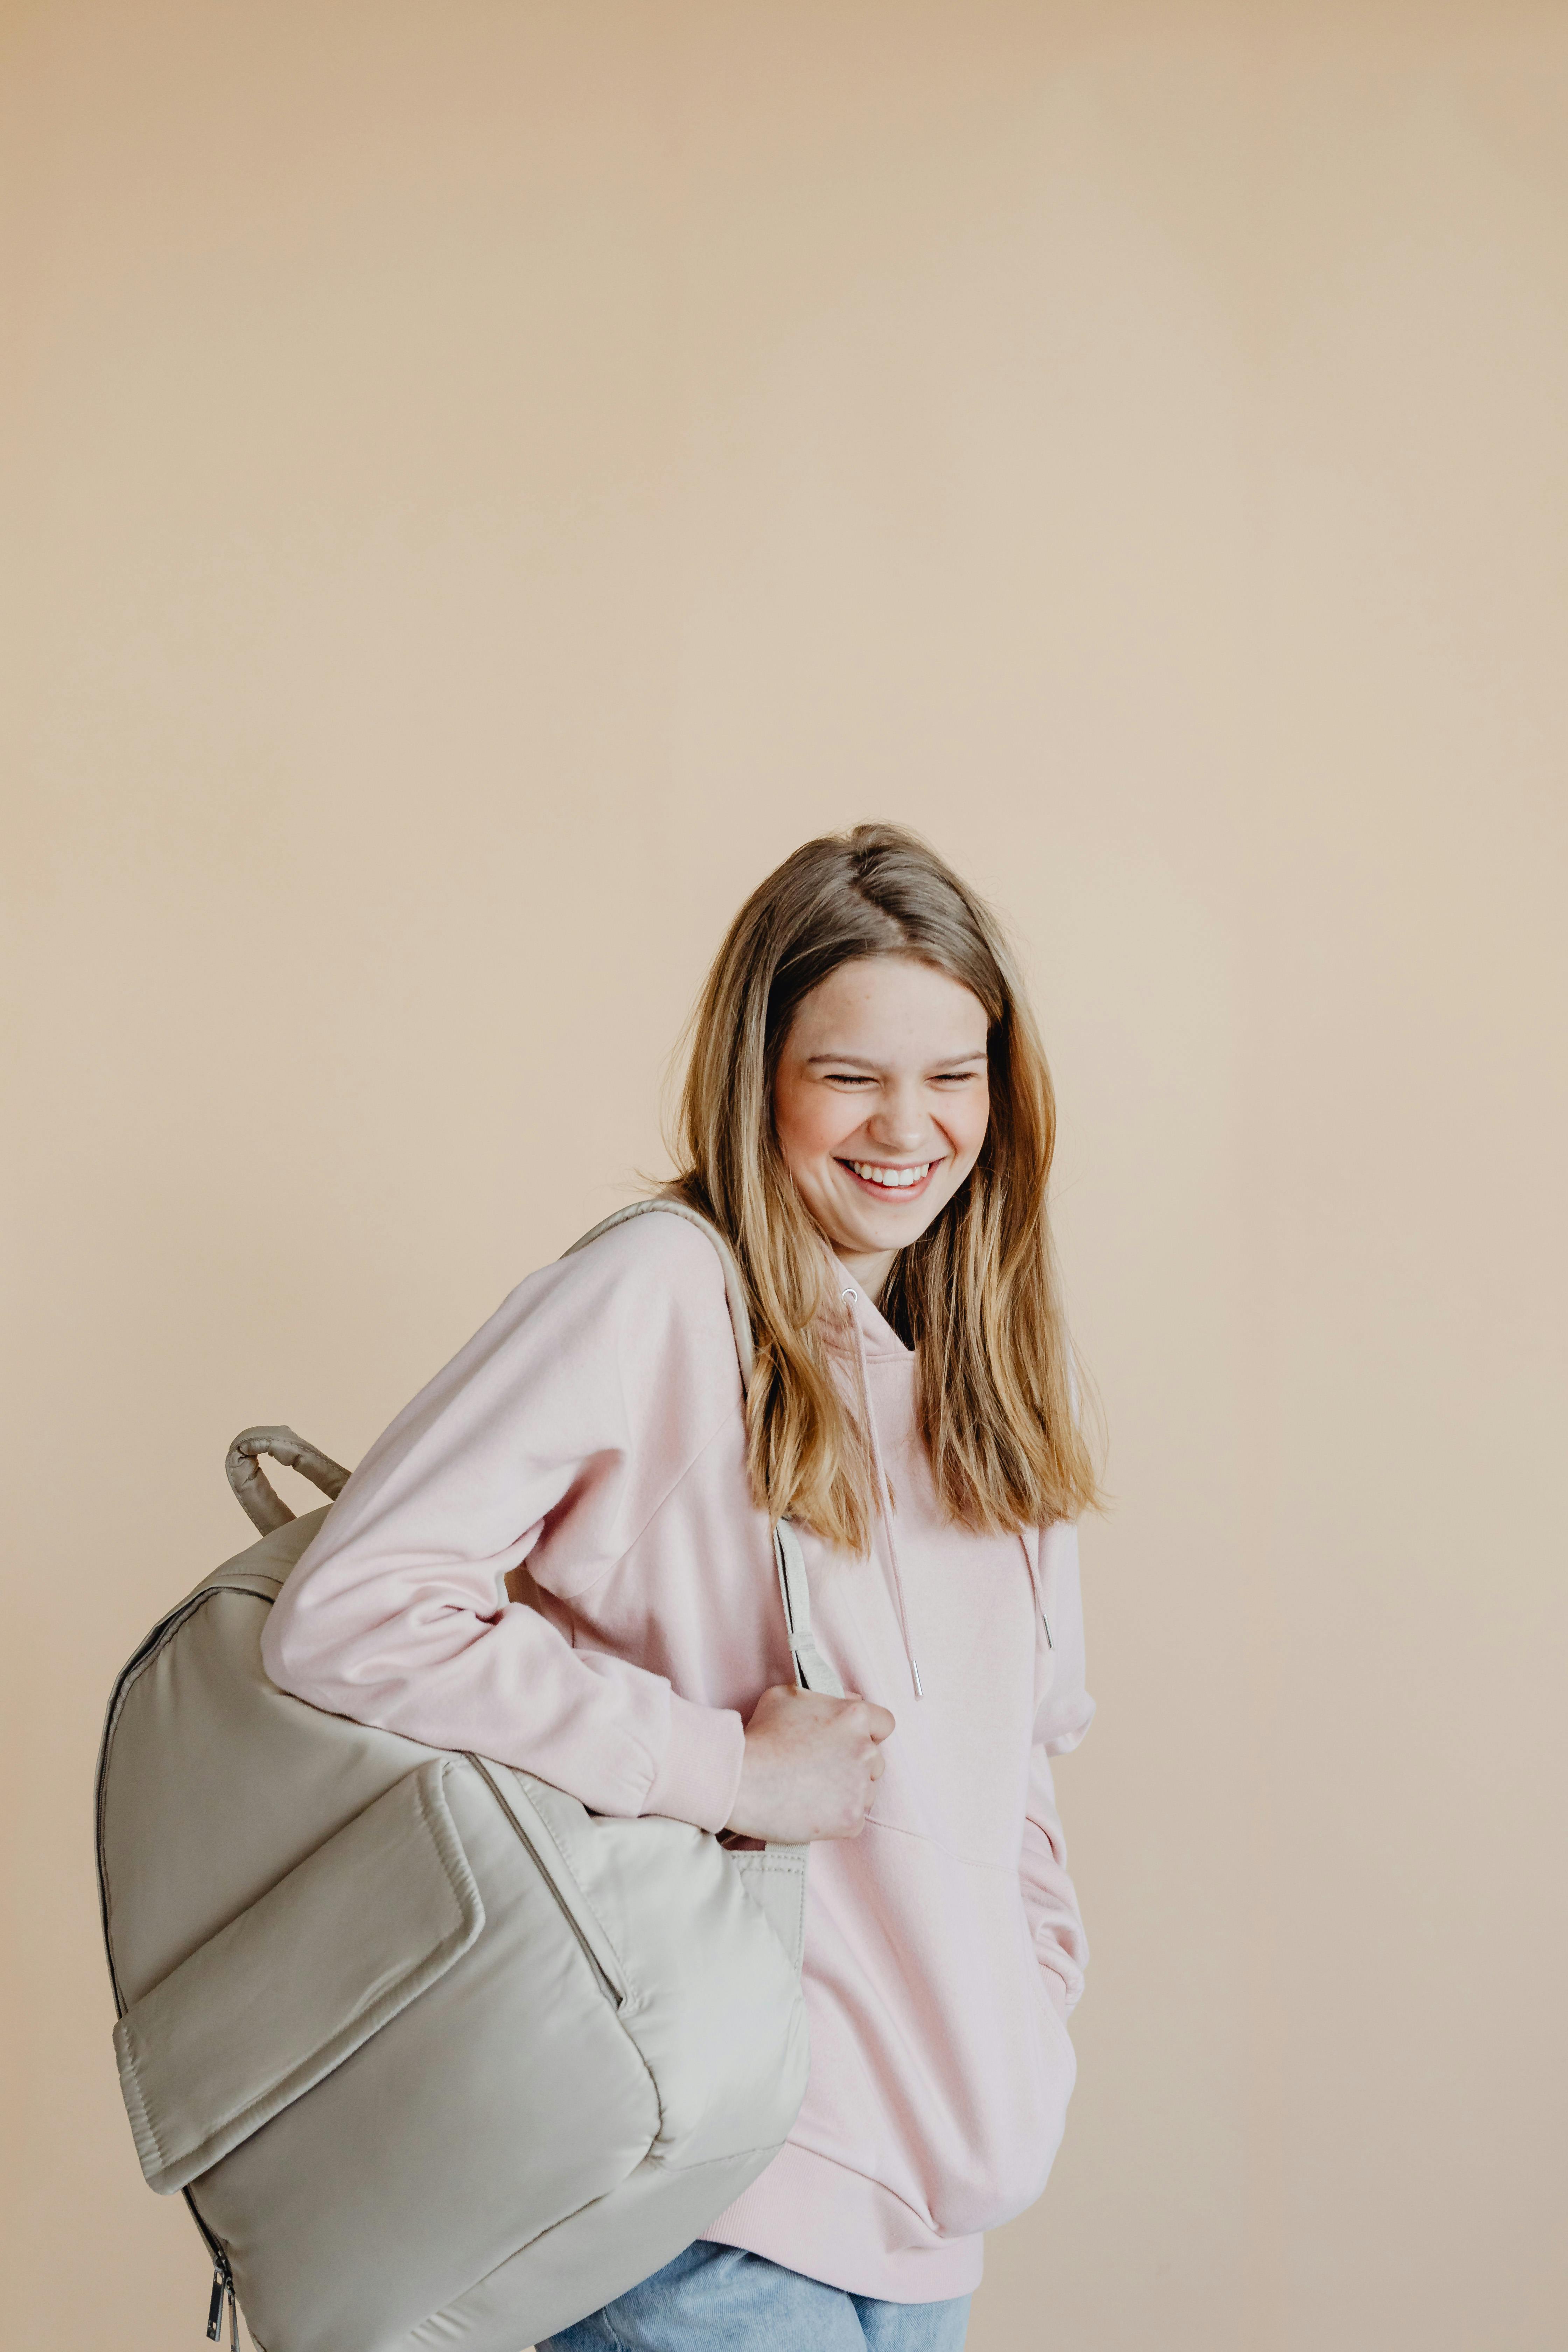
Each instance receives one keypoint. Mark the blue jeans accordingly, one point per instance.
(720, 2295)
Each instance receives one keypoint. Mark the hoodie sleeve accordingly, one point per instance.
(583, 1400)
(1064, 1715)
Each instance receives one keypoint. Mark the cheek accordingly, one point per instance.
(968, 1127)
(810, 1121)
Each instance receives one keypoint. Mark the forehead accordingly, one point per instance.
(883, 1006)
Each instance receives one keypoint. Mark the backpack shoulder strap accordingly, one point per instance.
(812, 1670)
(734, 1286)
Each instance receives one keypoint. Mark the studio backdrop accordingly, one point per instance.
(483, 482)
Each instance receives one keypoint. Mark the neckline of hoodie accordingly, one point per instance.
(878, 1334)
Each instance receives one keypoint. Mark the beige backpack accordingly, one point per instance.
(437, 2056)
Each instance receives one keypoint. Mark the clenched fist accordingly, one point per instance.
(811, 1766)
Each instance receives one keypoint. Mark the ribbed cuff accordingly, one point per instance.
(700, 1775)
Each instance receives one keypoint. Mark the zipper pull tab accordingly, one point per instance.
(215, 2308)
(223, 2284)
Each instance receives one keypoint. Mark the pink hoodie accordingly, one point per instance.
(595, 1431)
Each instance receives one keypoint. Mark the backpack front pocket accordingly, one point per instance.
(267, 2008)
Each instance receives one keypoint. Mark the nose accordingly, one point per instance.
(899, 1123)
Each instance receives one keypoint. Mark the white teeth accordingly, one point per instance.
(893, 1179)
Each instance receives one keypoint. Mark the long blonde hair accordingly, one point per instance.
(976, 1295)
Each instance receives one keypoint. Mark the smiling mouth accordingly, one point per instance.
(890, 1182)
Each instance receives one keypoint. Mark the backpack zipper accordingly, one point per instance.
(223, 2284)
(616, 1993)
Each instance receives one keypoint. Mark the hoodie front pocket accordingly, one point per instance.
(934, 2071)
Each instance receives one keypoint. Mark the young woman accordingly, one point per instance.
(560, 1556)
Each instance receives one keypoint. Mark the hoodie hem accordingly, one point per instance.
(829, 2223)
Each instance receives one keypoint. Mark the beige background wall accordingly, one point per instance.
(485, 479)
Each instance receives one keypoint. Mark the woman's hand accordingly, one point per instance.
(811, 1766)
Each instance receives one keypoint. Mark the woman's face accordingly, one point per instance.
(880, 1104)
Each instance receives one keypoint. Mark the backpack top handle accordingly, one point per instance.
(262, 1505)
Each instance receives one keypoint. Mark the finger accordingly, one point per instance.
(880, 1724)
(878, 1765)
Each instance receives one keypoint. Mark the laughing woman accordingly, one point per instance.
(869, 1120)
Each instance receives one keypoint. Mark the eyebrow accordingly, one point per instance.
(858, 1061)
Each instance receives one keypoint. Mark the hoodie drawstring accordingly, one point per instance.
(885, 1493)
